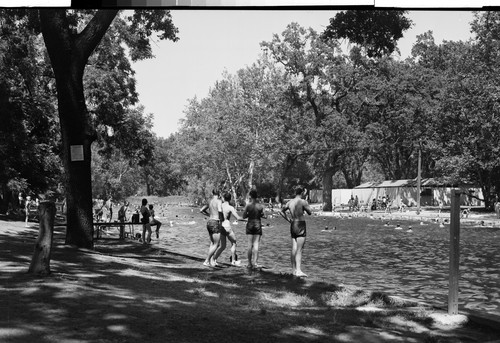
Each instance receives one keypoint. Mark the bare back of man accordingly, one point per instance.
(214, 212)
(253, 212)
(297, 208)
(214, 207)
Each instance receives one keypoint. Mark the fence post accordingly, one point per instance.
(454, 252)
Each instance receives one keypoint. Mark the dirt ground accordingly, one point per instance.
(124, 291)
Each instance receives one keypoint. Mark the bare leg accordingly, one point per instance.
(207, 261)
(255, 250)
(158, 225)
(215, 240)
(299, 245)
(148, 227)
(249, 251)
(292, 255)
(221, 248)
(232, 238)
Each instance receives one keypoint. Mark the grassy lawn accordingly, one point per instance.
(127, 292)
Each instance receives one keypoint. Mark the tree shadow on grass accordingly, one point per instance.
(127, 292)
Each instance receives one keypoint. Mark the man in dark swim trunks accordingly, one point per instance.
(253, 211)
(215, 217)
(297, 207)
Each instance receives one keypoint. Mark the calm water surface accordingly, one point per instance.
(364, 252)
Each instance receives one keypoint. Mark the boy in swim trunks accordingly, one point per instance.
(215, 217)
(253, 211)
(297, 207)
(227, 231)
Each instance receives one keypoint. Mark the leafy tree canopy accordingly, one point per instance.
(376, 31)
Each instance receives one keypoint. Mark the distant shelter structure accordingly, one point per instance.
(432, 193)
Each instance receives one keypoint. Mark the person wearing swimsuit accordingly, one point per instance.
(297, 207)
(254, 212)
(227, 231)
(146, 226)
(215, 217)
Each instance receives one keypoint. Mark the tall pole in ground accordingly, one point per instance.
(454, 251)
(419, 178)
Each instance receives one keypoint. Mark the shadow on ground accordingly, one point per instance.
(124, 291)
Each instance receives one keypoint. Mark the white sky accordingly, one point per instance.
(212, 41)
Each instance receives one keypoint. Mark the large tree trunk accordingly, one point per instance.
(327, 189)
(250, 185)
(287, 164)
(40, 263)
(69, 53)
(231, 185)
(76, 135)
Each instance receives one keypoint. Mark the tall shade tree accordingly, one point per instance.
(70, 41)
(29, 139)
(324, 79)
(468, 125)
(377, 32)
(400, 103)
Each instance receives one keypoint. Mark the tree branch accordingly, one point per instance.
(90, 37)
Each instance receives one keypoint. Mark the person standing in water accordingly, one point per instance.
(297, 207)
(215, 217)
(227, 231)
(254, 212)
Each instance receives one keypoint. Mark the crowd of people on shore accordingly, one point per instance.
(219, 211)
(103, 212)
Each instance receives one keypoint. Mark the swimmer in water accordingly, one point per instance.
(297, 207)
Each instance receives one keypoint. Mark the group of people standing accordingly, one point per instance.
(148, 219)
(220, 211)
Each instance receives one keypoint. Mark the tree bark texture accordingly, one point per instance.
(40, 263)
(69, 52)
(231, 185)
(327, 189)
(288, 163)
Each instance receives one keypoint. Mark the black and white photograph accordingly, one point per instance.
(264, 171)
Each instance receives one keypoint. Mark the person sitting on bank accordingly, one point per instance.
(153, 221)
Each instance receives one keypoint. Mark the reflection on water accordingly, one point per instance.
(368, 253)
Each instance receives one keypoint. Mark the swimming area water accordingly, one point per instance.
(374, 254)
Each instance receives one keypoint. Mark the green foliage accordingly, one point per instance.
(143, 23)
(113, 176)
(29, 140)
(467, 119)
(31, 144)
(376, 31)
(163, 172)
